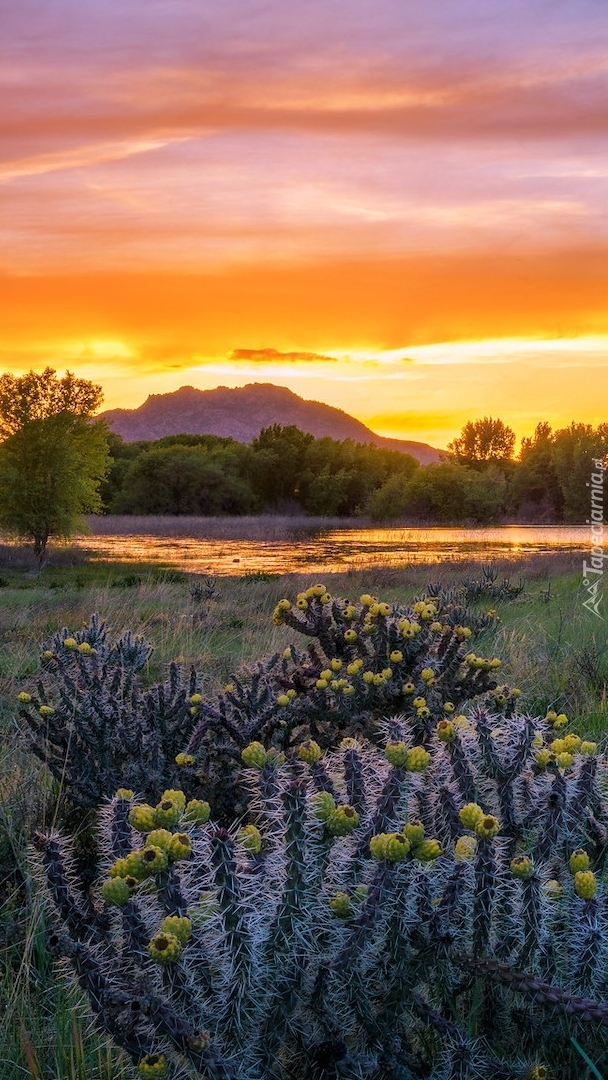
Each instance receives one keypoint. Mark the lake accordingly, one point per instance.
(187, 545)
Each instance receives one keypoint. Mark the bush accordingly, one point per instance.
(393, 913)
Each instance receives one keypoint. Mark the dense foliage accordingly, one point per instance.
(479, 481)
(52, 457)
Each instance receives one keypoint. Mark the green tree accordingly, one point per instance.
(483, 442)
(184, 479)
(52, 457)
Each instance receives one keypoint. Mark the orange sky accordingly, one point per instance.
(396, 209)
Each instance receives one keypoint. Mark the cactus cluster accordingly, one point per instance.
(390, 910)
(96, 726)
(363, 661)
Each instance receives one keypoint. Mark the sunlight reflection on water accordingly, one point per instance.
(336, 550)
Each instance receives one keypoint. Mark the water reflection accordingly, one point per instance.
(335, 550)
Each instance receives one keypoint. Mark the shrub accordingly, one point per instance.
(389, 914)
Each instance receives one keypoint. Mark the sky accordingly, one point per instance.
(398, 208)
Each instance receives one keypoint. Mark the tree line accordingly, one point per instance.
(478, 479)
(57, 462)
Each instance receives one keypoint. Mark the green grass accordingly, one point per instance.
(550, 645)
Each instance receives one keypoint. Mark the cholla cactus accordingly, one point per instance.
(407, 912)
(364, 661)
(97, 728)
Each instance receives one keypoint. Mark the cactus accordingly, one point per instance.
(96, 727)
(371, 919)
(364, 661)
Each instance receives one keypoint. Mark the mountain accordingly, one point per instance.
(242, 413)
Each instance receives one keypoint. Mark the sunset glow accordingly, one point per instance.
(398, 209)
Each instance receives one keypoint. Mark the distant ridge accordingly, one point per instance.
(241, 414)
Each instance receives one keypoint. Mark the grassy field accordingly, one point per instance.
(551, 647)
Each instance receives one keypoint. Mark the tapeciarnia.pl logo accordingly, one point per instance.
(593, 571)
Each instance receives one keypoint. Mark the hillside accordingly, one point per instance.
(241, 413)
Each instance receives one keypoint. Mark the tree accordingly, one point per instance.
(52, 457)
(483, 442)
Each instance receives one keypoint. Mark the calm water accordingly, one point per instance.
(336, 550)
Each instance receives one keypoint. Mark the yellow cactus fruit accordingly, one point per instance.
(164, 948)
(427, 850)
(309, 751)
(572, 742)
(368, 677)
(487, 826)
(470, 815)
(536, 1072)
(355, 667)
(254, 755)
(585, 884)
(387, 672)
(448, 706)
(436, 627)
(588, 748)
(197, 811)
(417, 759)
(70, 643)
(46, 710)
(427, 674)
(522, 867)
(367, 600)
(116, 891)
(350, 636)
(446, 732)
(321, 684)
(250, 838)
(538, 740)
(119, 869)
(419, 702)
(160, 838)
(84, 648)
(396, 753)
(302, 603)
(462, 722)
(409, 629)
(167, 812)
(396, 847)
(360, 893)
(335, 664)
(414, 830)
(348, 743)
(326, 598)
(553, 889)
(135, 867)
(396, 656)
(153, 1067)
(342, 821)
(543, 758)
(142, 818)
(579, 860)
(341, 905)
(48, 655)
(465, 848)
(124, 793)
(179, 847)
(378, 679)
(185, 761)
(178, 925)
(24, 697)
(154, 860)
(558, 746)
(323, 805)
(423, 713)
(377, 845)
(565, 761)
(408, 688)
